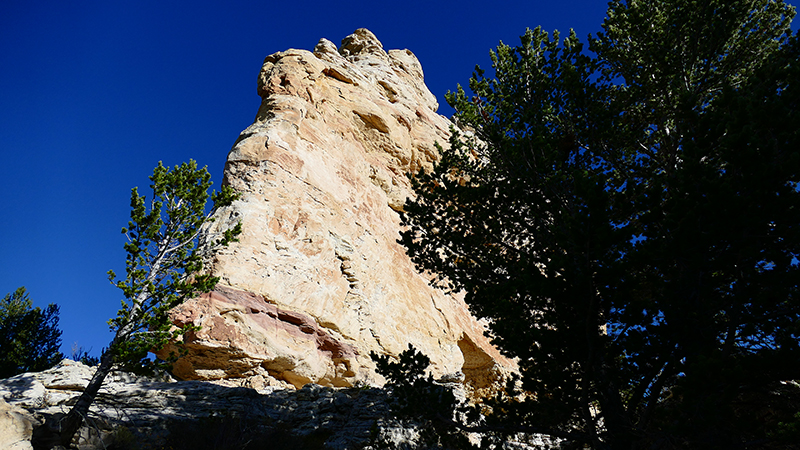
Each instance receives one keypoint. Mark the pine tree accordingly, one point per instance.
(627, 222)
(29, 337)
(167, 243)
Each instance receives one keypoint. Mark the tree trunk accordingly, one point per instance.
(72, 422)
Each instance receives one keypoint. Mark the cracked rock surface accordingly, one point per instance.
(318, 280)
(151, 412)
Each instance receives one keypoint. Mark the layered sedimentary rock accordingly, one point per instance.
(318, 281)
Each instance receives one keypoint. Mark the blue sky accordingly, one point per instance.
(94, 93)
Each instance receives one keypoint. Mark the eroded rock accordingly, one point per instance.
(139, 412)
(16, 427)
(318, 280)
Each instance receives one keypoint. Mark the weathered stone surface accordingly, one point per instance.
(16, 427)
(148, 411)
(318, 281)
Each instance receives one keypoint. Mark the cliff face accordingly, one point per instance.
(318, 280)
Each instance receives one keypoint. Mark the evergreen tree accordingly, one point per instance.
(29, 337)
(168, 240)
(627, 222)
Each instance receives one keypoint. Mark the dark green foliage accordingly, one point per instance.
(628, 223)
(427, 406)
(788, 432)
(444, 421)
(29, 337)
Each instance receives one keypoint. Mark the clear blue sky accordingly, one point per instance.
(94, 93)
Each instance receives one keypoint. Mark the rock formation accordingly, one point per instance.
(147, 412)
(16, 427)
(318, 281)
(140, 412)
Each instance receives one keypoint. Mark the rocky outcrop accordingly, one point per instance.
(318, 280)
(140, 412)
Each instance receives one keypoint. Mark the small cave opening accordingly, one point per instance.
(481, 374)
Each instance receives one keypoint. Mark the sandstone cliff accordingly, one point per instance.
(318, 280)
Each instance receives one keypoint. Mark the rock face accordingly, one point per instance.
(16, 427)
(318, 281)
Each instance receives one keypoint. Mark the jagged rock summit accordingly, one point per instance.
(318, 281)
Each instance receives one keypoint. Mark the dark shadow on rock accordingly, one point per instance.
(195, 415)
(17, 386)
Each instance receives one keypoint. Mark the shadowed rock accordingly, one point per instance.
(155, 413)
